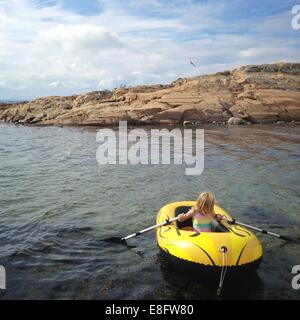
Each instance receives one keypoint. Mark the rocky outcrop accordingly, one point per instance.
(252, 94)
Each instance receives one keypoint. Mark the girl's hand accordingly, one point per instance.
(221, 217)
(181, 217)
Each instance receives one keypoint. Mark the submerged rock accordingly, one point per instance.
(236, 121)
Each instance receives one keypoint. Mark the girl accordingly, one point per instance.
(203, 213)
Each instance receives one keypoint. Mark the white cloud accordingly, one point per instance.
(2, 19)
(105, 83)
(136, 73)
(279, 23)
(56, 84)
(81, 37)
(249, 53)
(49, 50)
(2, 84)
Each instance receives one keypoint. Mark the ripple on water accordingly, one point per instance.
(56, 204)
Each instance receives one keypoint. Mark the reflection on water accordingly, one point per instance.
(184, 285)
(56, 204)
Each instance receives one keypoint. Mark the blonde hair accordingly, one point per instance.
(205, 203)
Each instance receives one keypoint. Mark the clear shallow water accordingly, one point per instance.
(57, 203)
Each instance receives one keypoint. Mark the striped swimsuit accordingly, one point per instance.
(202, 222)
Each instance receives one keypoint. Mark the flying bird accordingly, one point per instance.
(193, 64)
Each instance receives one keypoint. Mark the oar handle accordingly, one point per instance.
(168, 221)
(233, 221)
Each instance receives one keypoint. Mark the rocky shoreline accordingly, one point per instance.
(267, 93)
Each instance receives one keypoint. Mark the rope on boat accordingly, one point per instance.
(223, 251)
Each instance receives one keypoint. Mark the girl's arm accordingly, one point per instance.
(185, 216)
(219, 217)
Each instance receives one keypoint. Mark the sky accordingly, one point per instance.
(64, 47)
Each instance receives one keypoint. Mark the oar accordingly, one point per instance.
(262, 230)
(123, 240)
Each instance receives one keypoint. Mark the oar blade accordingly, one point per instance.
(114, 240)
(117, 240)
(286, 238)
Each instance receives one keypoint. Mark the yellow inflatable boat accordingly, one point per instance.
(228, 244)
